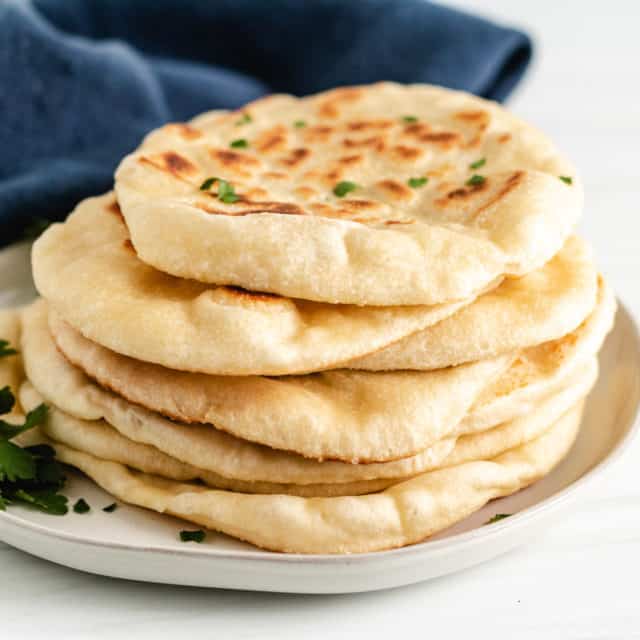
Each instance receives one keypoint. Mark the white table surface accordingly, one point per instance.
(579, 580)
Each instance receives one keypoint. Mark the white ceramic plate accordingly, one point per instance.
(139, 545)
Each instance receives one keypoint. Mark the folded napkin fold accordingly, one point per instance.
(81, 81)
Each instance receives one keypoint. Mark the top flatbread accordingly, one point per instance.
(383, 243)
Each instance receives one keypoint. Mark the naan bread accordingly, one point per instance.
(210, 449)
(99, 439)
(342, 415)
(89, 272)
(404, 514)
(342, 407)
(383, 243)
(544, 305)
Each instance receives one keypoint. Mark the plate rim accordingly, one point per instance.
(455, 543)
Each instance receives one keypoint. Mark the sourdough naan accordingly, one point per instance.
(290, 228)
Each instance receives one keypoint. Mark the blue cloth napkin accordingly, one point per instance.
(81, 81)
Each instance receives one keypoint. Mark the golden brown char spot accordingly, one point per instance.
(334, 174)
(511, 183)
(360, 205)
(392, 222)
(233, 159)
(274, 175)
(295, 157)
(444, 139)
(417, 129)
(274, 139)
(256, 192)
(349, 161)
(160, 165)
(245, 207)
(395, 189)
(403, 152)
(305, 192)
(361, 125)
(472, 116)
(329, 107)
(178, 164)
(327, 211)
(463, 193)
(440, 171)
(374, 141)
(505, 137)
(184, 130)
(319, 133)
(250, 295)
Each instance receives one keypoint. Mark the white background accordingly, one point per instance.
(579, 580)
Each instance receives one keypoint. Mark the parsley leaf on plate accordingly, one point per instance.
(498, 517)
(192, 536)
(29, 475)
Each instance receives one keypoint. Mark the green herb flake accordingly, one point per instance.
(48, 501)
(566, 179)
(498, 517)
(29, 475)
(81, 506)
(416, 183)
(478, 163)
(193, 536)
(110, 508)
(227, 192)
(6, 349)
(207, 184)
(475, 180)
(409, 119)
(299, 124)
(342, 188)
(245, 119)
(240, 143)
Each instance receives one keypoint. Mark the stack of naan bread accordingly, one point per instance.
(324, 325)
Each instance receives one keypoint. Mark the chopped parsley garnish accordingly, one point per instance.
(240, 143)
(409, 119)
(475, 180)
(342, 188)
(207, 184)
(6, 349)
(299, 124)
(566, 179)
(416, 183)
(498, 517)
(28, 475)
(192, 536)
(478, 163)
(245, 119)
(226, 192)
(110, 508)
(81, 506)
